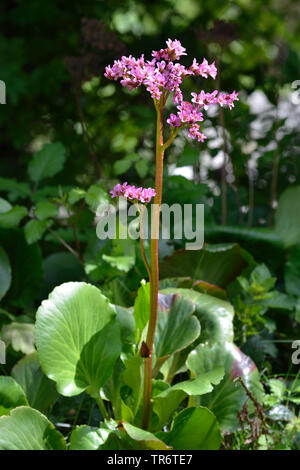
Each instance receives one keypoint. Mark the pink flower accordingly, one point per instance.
(194, 133)
(162, 76)
(205, 99)
(204, 69)
(132, 193)
(224, 99)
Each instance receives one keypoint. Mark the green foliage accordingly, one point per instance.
(39, 390)
(5, 273)
(217, 264)
(240, 291)
(27, 429)
(287, 225)
(183, 436)
(254, 298)
(47, 162)
(11, 395)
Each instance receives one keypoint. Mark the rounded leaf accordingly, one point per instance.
(27, 429)
(77, 338)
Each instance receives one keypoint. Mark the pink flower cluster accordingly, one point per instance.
(189, 114)
(162, 76)
(133, 193)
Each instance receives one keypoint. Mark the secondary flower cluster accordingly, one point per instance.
(133, 193)
(162, 76)
(188, 115)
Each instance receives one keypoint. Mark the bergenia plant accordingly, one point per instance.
(162, 77)
(163, 371)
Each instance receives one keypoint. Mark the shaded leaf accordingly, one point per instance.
(216, 264)
(292, 272)
(177, 327)
(11, 395)
(5, 273)
(194, 429)
(287, 226)
(39, 390)
(26, 265)
(215, 315)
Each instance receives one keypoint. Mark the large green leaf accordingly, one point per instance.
(77, 338)
(177, 326)
(287, 225)
(215, 315)
(227, 398)
(5, 273)
(27, 429)
(193, 429)
(292, 272)
(217, 264)
(39, 390)
(26, 265)
(11, 395)
(47, 162)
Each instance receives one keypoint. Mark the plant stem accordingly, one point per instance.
(154, 280)
(102, 408)
(142, 245)
(65, 244)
